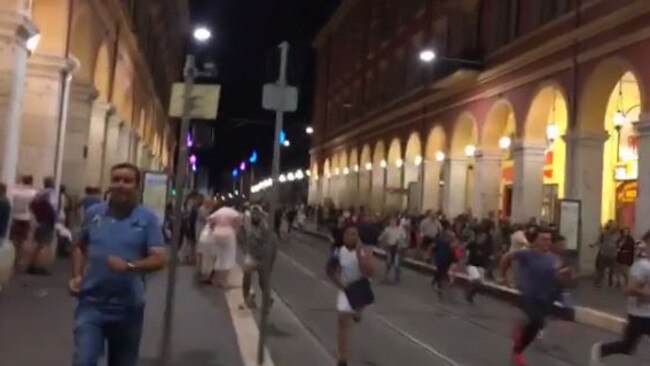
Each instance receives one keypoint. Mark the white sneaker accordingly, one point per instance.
(596, 355)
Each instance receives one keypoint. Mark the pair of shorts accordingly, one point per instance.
(43, 235)
(19, 231)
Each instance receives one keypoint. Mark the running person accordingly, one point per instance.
(443, 253)
(539, 279)
(638, 309)
(349, 265)
(478, 260)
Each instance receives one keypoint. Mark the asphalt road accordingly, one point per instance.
(410, 325)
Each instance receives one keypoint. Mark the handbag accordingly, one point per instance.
(359, 294)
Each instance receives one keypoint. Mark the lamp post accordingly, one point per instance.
(202, 35)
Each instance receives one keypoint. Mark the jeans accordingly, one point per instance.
(118, 326)
(536, 311)
(636, 327)
(394, 262)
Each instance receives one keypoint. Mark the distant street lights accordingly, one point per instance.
(427, 55)
(202, 34)
(309, 130)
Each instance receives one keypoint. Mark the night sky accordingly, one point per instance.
(244, 47)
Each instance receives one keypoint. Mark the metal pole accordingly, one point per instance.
(279, 119)
(179, 184)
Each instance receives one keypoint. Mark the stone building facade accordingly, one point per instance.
(527, 103)
(93, 92)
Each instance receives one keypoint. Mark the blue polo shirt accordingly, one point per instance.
(131, 239)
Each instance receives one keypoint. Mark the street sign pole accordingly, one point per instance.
(279, 120)
(179, 185)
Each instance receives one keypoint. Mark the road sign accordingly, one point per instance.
(280, 98)
(205, 101)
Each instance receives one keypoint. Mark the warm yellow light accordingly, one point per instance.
(552, 132)
(470, 150)
(440, 156)
(383, 164)
(619, 119)
(505, 142)
(368, 166)
(346, 171)
(418, 160)
(356, 168)
(399, 163)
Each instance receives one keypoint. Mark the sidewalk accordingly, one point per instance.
(36, 322)
(600, 307)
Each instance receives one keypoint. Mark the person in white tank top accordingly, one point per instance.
(352, 263)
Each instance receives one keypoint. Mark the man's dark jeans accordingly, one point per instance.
(118, 326)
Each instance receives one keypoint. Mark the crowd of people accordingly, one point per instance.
(531, 257)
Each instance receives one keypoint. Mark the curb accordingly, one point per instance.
(577, 314)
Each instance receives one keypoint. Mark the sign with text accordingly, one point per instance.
(204, 99)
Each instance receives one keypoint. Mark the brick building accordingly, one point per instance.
(489, 105)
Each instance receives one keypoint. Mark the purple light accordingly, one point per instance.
(193, 159)
(194, 167)
(190, 142)
(242, 166)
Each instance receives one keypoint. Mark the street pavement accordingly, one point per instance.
(410, 325)
(36, 322)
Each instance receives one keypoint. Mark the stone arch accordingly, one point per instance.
(85, 41)
(413, 148)
(366, 156)
(379, 154)
(436, 142)
(598, 89)
(394, 152)
(102, 72)
(353, 160)
(500, 122)
(549, 98)
(465, 133)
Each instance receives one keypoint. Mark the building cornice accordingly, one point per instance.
(336, 19)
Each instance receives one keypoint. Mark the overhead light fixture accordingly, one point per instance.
(300, 175)
(346, 171)
(356, 168)
(399, 163)
(620, 119)
(552, 132)
(291, 177)
(32, 42)
(383, 163)
(309, 130)
(202, 34)
(337, 171)
(368, 166)
(505, 142)
(418, 160)
(282, 178)
(427, 55)
(440, 156)
(470, 150)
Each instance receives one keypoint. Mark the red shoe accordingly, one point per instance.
(518, 359)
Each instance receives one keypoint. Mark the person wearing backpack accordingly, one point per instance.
(44, 213)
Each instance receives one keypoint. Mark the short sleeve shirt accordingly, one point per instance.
(131, 239)
(640, 272)
(537, 271)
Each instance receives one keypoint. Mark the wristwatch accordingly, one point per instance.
(130, 267)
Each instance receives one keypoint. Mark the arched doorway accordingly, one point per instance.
(434, 159)
(494, 164)
(540, 156)
(365, 176)
(412, 173)
(379, 165)
(394, 170)
(460, 166)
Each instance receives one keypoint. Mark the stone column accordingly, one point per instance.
(123, 143)
(431, 185)
(487, 192)
(41, 116)
(95, 144)
(528, 184)
(642, 224)
(456, 186)
(394, 179)
(111, 145)
(585, 152)
(76, 151)
(15, 29)
(378, 190)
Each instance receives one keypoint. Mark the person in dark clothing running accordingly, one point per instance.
(479, 257)
(539, 281)
(443, 254)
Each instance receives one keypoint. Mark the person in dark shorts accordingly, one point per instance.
(44, 214)
(443, 254)
(22, 195)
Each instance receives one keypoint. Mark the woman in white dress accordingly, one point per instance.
(219, 244)
(349, 264)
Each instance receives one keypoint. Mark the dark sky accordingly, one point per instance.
(244, 46)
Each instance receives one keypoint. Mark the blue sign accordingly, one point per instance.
(253, 158)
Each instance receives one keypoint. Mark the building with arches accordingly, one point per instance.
(95, 90)
(513, 109)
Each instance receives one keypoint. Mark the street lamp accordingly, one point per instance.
(309, 130)
(418, 160)
(427, 55)
(346, 171)
(552, 133)
(202, 34)
(470, 150)
(368, 166)
(286, 143)
(383, 163)
(505, 142)
(399, 163)
(32, 42)
(440, 156)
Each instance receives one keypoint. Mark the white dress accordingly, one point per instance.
(224, 234)
(350, 272)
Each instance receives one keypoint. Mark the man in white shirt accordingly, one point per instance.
(430, 228)
(21, 225)
(638, 309)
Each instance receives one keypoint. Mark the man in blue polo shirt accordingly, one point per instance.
(120, 242)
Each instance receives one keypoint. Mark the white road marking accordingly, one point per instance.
(244, 324)
(383, 320)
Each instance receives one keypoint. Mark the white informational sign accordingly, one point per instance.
(569, 225)
(280, 98)
(154, 193)
(205, 101)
